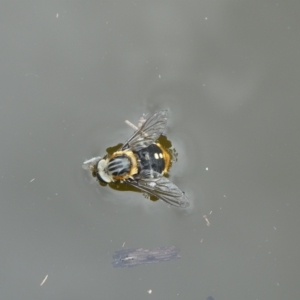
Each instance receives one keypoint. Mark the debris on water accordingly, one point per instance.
(139, 256)
(44, 280)
(206, 219)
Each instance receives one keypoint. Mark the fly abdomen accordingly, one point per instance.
(119, 165)
(152, 158)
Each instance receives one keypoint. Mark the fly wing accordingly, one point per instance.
(157, 185)
(148, 133)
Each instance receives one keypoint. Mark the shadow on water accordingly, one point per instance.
(134, 257)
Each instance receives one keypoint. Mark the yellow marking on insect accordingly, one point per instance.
(160, 155)
(156, 156)
(166, 158)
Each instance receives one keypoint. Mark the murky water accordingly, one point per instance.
(72, 73)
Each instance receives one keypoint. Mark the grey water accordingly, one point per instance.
(73, 72)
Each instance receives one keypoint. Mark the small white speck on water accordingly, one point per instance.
(44, 280)
(206, 219)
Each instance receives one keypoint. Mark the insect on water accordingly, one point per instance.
(141, 162)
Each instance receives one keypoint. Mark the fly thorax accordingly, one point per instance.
(119, 165)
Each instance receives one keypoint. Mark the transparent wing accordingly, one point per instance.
(148, 133)
(157, 185)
